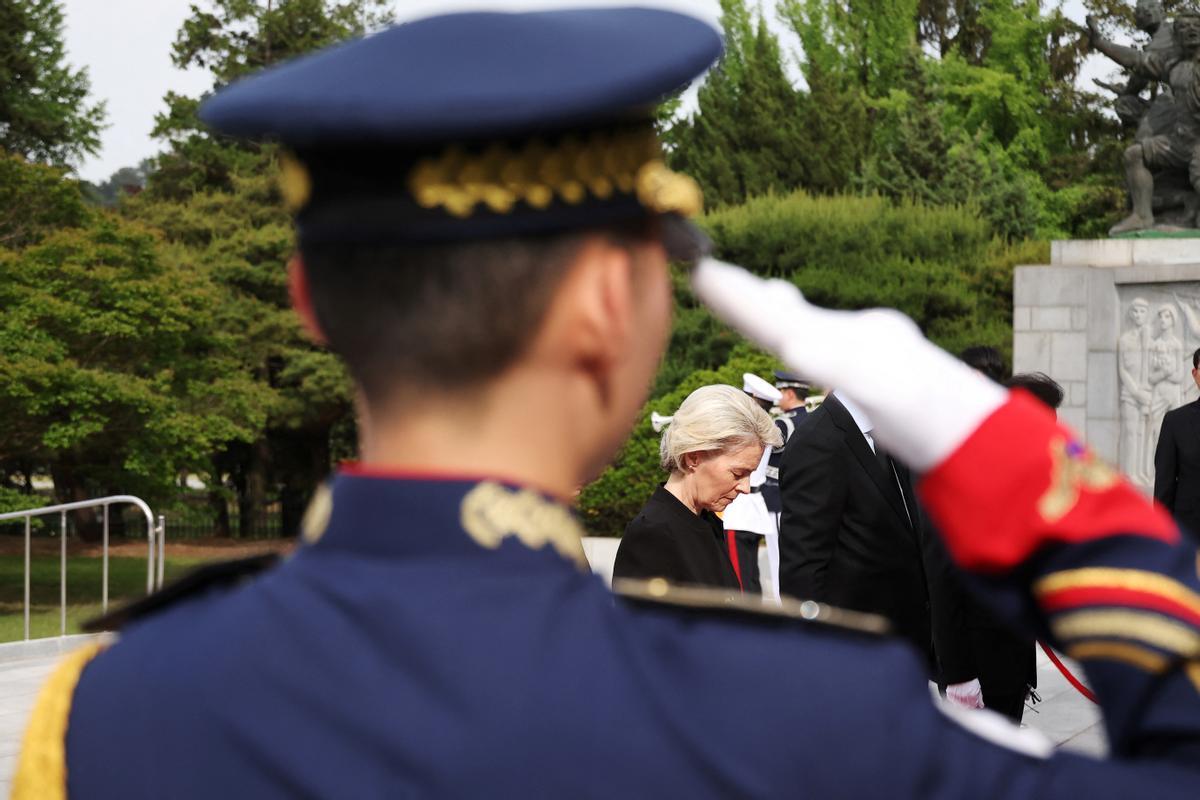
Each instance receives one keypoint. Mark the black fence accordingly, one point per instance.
(190, 515)
(193, 516)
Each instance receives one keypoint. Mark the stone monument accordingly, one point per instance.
(1115, 322)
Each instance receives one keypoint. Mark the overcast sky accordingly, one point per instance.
(126, 47)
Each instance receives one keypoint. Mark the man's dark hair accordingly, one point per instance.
(413, 319)
(1196, 359)
(1040, 385)
(985, 359)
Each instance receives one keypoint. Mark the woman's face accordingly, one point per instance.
(718, 476)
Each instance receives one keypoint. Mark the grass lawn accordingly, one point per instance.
(126, 581)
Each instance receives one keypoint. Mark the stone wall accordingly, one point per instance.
(1069, 318)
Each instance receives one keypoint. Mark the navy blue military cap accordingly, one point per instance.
(477, 125)
(790, 380)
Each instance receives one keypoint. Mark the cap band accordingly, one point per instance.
(522, 187)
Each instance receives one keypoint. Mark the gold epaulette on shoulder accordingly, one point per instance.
(659, 591)
(42, 767)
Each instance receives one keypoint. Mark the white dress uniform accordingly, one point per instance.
(748, 512)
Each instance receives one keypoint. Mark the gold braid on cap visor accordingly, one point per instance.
(597, 166)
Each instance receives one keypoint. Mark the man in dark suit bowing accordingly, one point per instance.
(1177, 461)
(851, 532)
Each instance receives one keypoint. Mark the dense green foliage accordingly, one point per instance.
(756, 133)
(942, 101)
(35, 199)
(44, 113)
(230, 38)
(126, 181)
(216, 202)
(157, 341)
(113, 377)
(939, 265)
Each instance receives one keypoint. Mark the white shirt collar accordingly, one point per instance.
(860, 417)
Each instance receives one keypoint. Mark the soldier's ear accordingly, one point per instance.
(591, 320)
(302, 299)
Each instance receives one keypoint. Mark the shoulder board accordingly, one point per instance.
(660, 592)
(223, 574)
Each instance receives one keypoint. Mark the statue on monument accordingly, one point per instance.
(1190, 309)
(1162, 167)
(1144, 115)
(1191, 314)
(1166, 377)
(1133, 350)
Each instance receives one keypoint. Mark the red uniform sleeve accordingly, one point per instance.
(1027, 508)
(1023, 481)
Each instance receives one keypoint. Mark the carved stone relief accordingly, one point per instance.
(1160, 330)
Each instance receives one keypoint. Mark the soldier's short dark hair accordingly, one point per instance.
(1196, 359)
(414, 319)
(1040, 385)
(985, 359)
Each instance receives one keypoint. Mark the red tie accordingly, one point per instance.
(731, 543)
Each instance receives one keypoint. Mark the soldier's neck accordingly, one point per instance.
(522, 430)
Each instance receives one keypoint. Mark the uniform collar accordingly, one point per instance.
(373, 512)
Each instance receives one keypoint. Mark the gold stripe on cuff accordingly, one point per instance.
(1154, 629)
(1114, 578)
(1135, 655)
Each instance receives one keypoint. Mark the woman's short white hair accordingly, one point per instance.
(715, 417)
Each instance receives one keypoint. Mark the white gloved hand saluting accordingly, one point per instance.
(924, 403)
(967, 695)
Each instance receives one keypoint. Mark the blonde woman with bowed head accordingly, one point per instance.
(712, 445)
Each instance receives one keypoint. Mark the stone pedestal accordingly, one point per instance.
(1115, 321)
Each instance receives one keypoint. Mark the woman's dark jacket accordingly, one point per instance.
(666, 540)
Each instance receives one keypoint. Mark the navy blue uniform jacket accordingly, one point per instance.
(438, 637)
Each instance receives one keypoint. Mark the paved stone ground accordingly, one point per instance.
(19, 683)
(1068, 718)
(1063, 715)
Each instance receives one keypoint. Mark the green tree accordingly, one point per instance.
(112, 375)
(216, 202)
(867, 42)
(984, 110)
(240, 240)
(35, 199)
(754, 132)
(917, 154)
(44, 110)
(231, 38)
(125, 181)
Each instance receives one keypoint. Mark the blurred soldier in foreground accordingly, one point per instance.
(439, 633)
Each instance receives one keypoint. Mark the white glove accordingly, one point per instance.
(923, 402)
(967, 695)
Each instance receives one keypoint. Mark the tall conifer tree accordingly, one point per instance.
(45, 113)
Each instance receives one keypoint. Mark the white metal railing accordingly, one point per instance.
(156, 535)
